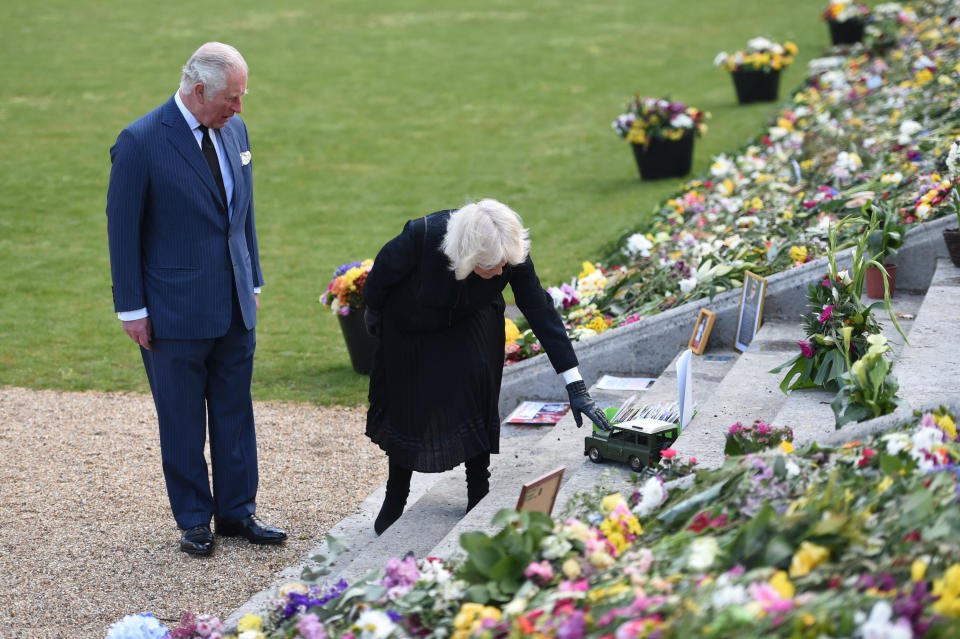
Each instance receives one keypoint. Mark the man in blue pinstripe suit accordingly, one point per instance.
(186, 284)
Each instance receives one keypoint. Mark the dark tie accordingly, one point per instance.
(210, 154)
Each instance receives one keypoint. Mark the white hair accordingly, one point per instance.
(484, 234)
(210, 65)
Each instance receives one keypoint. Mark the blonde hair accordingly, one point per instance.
(484, 234)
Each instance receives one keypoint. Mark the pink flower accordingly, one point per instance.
(768, 598)
(540, 572)
(693, 460)
(827, 312)
(806, 348)
(736, 428)
(668, 453)
(825, 283)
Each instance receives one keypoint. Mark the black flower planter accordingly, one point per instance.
(360, 344)
(756, 86)
(664, 158)
(849, 32)
(952, 239)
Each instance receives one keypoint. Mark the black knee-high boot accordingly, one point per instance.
(398, 487)
(478, 479)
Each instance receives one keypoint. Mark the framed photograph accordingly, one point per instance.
(540, 494)
(751, 310)
(701, 331)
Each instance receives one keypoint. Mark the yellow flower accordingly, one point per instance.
(510, 330)
(249, 621)
(948, 589)
(790, 47)
(782, 585)
(588, 268)
(571, 568)
(798, 253)
(885, 484)
(947, 425)
(807, 557)
(918, 570)
(610, 502)
(786, 447)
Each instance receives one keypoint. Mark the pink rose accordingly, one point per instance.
(806, 348)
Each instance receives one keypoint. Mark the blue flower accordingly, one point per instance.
(139, 626)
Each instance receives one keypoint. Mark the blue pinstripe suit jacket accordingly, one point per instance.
(172, 247)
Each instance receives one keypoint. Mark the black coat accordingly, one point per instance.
(435, 386)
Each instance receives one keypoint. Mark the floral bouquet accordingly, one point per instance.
(647, 118)
(345, 291)
(845, 10)
(756, 437)
(761, 54)
(519, 344)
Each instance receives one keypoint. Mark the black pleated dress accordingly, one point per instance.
(435, 384)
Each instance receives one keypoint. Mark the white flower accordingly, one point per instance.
(639, 243)
(793, 469)
(688, 284)
(681, 121)
(722, 167)
(244, 158)
(953, 159)
(908, 128)
(896, 442)
(554, 547)
(373, 624)
(720, 59)
(729, 595)
(878, 626)
(760, 44)
(777, 133)
(923, 62)
(652, 495)
(703, 552)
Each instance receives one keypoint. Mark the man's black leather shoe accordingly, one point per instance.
(254, 530)
(197, 540)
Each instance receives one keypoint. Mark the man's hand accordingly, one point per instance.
(256, 300)
(581, 402)
(140, 331)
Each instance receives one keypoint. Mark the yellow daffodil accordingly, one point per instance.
(807, 557)
(782, 584)
(786, 447)
(918, 570)
(510, 330)
(250, 621)
(947, 425)
(947, 589)
(798, 253)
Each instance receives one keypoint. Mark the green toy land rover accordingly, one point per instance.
(637, 441)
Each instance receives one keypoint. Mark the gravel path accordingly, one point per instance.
(86, 534)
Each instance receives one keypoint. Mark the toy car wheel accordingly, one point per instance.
(635, 463)
(594, 454)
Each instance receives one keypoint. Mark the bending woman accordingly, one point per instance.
(434, 298)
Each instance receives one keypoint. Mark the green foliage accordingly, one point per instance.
(886, 237)
(839, 324)
(867, 389)
(494, 565)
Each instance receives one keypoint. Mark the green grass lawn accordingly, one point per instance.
(361, 116)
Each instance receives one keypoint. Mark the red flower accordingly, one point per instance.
(868, 454)
(668, 453)
(827, 312)
(703, 520)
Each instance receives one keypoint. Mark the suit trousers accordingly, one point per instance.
(201, 383)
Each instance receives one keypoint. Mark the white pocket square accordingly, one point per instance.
(244, 158)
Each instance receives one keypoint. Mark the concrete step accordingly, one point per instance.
(930, 367)
(746, 392)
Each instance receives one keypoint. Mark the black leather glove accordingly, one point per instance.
(581, 402)
(371, 321)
